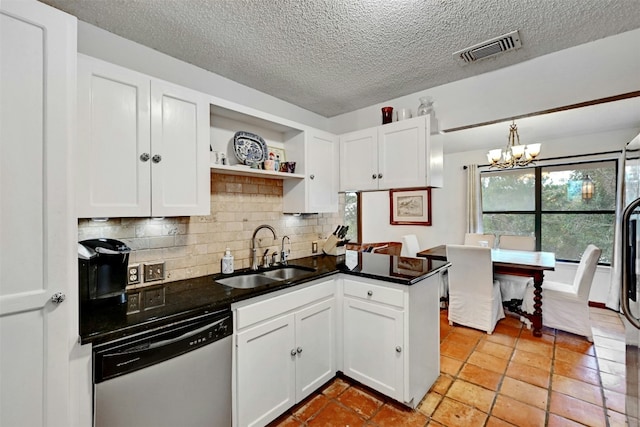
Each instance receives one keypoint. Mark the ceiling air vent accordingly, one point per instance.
(491, 47)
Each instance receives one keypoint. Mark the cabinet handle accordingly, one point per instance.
(293, 351)
(398, 349)
(144, 157)
(312, 176)
(370, 293)
(59, 297)
(157, 158)
(374, 176)
(299, 350)
(380, 176)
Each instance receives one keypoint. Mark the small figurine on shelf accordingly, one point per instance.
(277, 164)
(426, 106)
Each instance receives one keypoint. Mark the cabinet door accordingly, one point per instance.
(402, 154)
(373, 346)
(322, 172)
(113, 133)
(37, 225)
(265, 377)
(315, 346)
(359, 160)
(180, 151)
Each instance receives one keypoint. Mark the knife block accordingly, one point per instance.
(330, 246)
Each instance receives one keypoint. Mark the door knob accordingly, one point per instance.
(380, 175)
(157, 158)
(399, 349)
(144, 157)
(312, 176)
(374, 176)
(293, 351)
(58, 297)
(299, 350)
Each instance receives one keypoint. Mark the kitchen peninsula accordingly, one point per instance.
(373, 317)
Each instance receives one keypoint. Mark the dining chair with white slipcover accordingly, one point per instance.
(474, 297)
(565, 306)
(518, 243)
(410, 245)
(513, 287)
(474, 239)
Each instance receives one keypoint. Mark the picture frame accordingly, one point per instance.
(277, 152)
(410, 207)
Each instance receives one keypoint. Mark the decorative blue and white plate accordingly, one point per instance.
(249, 148)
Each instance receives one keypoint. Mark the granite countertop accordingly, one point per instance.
(162, 305)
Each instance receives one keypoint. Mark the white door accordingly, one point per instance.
(373, 346)
(114, 176)
(402, 154)
(315, 347)
(265, 382)
(180, 168)
(359, 160)
(37, 227)
(323, 172)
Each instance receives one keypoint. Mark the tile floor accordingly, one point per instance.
(509, 378)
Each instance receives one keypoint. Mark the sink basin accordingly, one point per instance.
(253, 280)
(287, 273)
(246, 281)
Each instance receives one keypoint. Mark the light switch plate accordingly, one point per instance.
(153, 272)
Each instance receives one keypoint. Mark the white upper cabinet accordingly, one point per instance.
(143, 145)
(313, 188)
(396, 155)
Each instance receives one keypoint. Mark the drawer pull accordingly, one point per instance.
(370, 293)
(399, 349)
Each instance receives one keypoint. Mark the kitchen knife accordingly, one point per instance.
(343, 232)
(335, 233)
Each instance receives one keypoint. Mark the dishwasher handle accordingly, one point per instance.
(164, 343)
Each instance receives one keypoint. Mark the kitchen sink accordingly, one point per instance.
(246, 281)
(253, 280)
(287, 273)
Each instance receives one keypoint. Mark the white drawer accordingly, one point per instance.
(373, 292)
(268, 308)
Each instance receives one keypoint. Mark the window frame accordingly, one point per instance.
(538, 212)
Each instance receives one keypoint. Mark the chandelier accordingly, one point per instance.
(514, 154)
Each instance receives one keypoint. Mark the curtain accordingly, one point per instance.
(474, 200)
(613, 299)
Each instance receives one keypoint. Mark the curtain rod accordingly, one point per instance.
(566, 157)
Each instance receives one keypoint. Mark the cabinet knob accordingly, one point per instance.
(370, 293)
(312, 176)
(144, 157)
(293, 351)
(399, 349)
(299, 350)
(380, 176)
(374, 176)
(157, 158)
(58, 297)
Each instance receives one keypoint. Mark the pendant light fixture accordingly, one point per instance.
(588, 188)
(514, 154)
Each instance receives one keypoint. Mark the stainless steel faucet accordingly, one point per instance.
(254, 256)
(284, 255)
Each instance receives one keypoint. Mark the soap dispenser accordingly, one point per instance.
(227, 262)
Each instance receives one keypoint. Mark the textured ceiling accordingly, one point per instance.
(336, 56)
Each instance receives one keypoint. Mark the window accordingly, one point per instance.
(352, 215)
(547, 202)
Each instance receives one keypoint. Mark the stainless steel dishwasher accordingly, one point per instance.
(176, 375)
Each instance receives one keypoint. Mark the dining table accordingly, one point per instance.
(517, 263)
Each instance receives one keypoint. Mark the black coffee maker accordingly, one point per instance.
(102, 272)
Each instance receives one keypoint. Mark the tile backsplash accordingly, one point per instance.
(193, 246)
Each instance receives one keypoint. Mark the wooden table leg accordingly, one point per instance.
(536, 317)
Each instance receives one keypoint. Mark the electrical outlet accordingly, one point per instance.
(153, 272)
(133, 303)
(153, 298)
(134, 274)
(314, 247)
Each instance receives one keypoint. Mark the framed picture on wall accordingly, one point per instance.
(410, 207)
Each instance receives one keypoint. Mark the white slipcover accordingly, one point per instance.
(474, 239)
(565, 306)
(513, 287)
(474, 297)
(410, 245)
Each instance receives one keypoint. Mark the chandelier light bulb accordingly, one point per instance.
(514, 154)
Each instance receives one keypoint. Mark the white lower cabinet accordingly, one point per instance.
(281, 359)
(373, 344)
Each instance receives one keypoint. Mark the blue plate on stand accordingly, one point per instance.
(249, 148)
